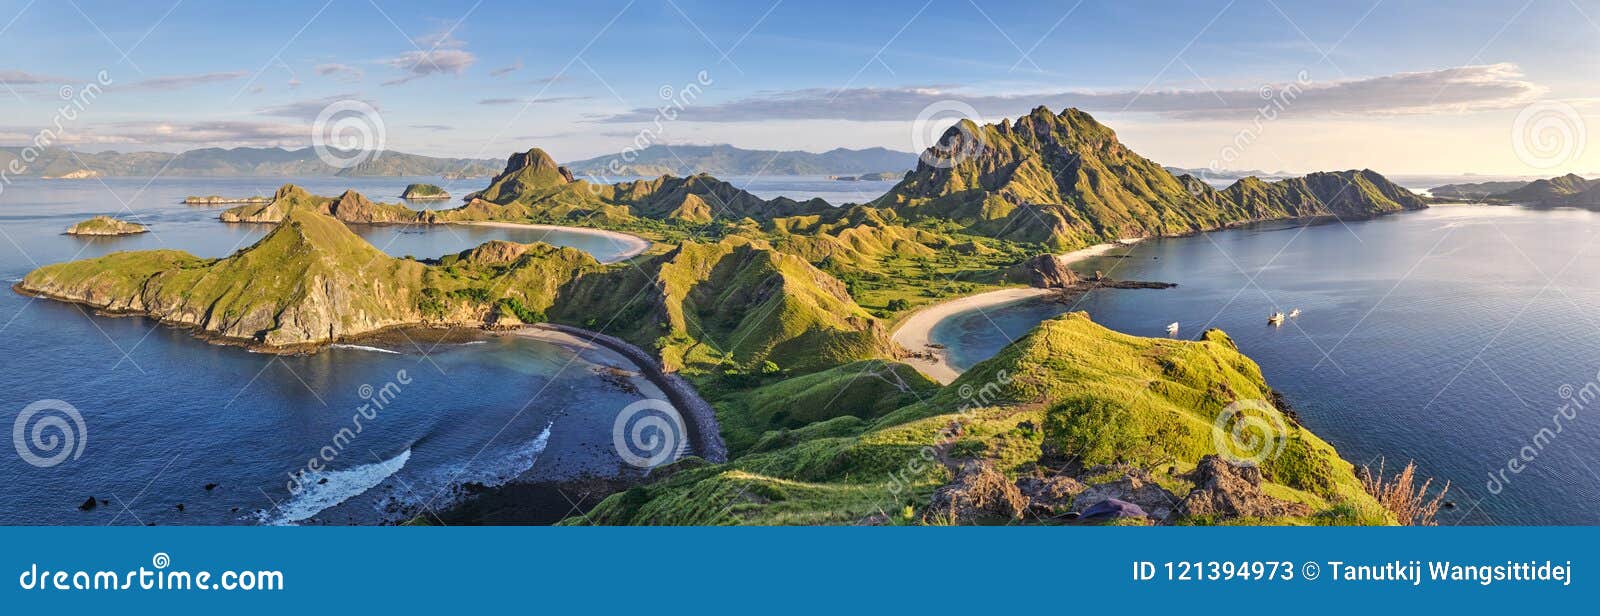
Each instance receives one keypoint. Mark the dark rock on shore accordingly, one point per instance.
(1044, 272)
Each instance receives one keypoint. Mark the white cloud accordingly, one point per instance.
(341, 72)
(1452, 90)
(15, 77)
(506, 69)
(532, 101)
(308, 110)
(179, 82)
(439, 54)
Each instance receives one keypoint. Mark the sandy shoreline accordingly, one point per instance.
(914, 333)
(632, 244)
(699, 418)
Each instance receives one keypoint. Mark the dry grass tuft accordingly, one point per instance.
(1402, 496)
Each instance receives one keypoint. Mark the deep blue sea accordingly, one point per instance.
(1451, 336)
(166, 414)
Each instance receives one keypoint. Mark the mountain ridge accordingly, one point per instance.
(1066, 181)
(238, 162)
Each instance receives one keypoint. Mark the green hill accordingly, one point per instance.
(1066, 181)
(1553, 192)
(1477, 190)
(106, 225)
(534, 186)
(1068, 415)
(732, 304)
(312, 281)
(349, 207)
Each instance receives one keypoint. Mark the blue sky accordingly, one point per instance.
(1402, 87)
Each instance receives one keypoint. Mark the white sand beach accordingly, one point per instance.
(913, 333)
(631, 244)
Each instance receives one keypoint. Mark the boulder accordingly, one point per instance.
(1042, 271)
(1134, 487)
(1051, 495)
(1225, 489)
(980, 492)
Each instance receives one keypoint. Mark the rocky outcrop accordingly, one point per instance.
(348, 207)
(1050, 495)
(980, 492)
(1225, 490)
(1134, 486)
(1042, 271)
(221, 200)
(106, 225)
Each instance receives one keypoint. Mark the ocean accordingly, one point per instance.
(1461, 337)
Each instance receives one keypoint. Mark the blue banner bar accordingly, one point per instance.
(790, 570)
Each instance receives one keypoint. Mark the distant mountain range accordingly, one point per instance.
(1569, 190)
(1227, 174)
(727, 160)
(219, 162)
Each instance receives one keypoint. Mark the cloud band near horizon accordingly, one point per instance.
(1451, 90)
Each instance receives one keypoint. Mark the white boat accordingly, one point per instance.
(1275, 319)
(1172, 329)
(1294, 313)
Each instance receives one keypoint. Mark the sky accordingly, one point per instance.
(1507, 87)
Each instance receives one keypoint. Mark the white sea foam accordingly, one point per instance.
(521, 459)
(341, 485)
(358, 347)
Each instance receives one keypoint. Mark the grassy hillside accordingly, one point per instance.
(349, 207)
(1064, 180)
(1069, 414)
(312, 281)
(728, 306)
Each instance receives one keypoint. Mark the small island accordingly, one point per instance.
(881, 176)
(424, 191)
(221, 200)
(106, 225)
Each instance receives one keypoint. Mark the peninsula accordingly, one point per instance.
(778, 311)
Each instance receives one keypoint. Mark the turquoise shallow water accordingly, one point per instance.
(1451, 336)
